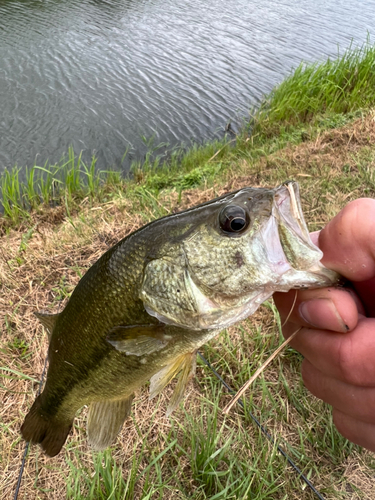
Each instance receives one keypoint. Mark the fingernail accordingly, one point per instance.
(322, 313)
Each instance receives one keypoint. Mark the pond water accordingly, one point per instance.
(103, 75)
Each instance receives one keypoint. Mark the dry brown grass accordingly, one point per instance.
(38, 272)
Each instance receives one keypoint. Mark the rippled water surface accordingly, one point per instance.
(99, 75)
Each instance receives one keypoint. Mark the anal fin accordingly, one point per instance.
(186, 364)
(105, 420)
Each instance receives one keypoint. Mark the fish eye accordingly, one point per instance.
(233, 219)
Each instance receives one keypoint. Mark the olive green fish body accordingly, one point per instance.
(145, 307)
(106, 297)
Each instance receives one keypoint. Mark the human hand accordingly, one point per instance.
(337, 338)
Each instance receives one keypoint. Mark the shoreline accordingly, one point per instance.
(314, 98)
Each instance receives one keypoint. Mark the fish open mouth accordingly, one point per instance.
(289, 246)
(299, 250)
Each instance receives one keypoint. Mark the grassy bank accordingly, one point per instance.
(312, 99)
(47, 246)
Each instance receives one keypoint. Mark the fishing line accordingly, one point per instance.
(28, 444)
(264, 431)
(258, 372)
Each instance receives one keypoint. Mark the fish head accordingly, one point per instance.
(240, 249)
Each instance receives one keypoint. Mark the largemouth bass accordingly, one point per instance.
(144, 308)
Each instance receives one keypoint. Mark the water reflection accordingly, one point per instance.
(100, 74)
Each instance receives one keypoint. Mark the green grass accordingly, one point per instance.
(339, 85)
(107, 481)
(67, 182)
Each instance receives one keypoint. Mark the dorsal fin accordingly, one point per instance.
(48, 320)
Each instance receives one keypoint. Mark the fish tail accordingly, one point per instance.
(49, 432)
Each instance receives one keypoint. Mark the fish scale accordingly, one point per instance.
(144, 308)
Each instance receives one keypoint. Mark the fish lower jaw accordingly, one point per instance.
(317, 276)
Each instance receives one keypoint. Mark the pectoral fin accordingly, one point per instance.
(105, 420)
(186, 364)
(48, 320)
(138, 340)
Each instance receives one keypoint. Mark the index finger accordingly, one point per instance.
(348, 241)
(348, 245)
